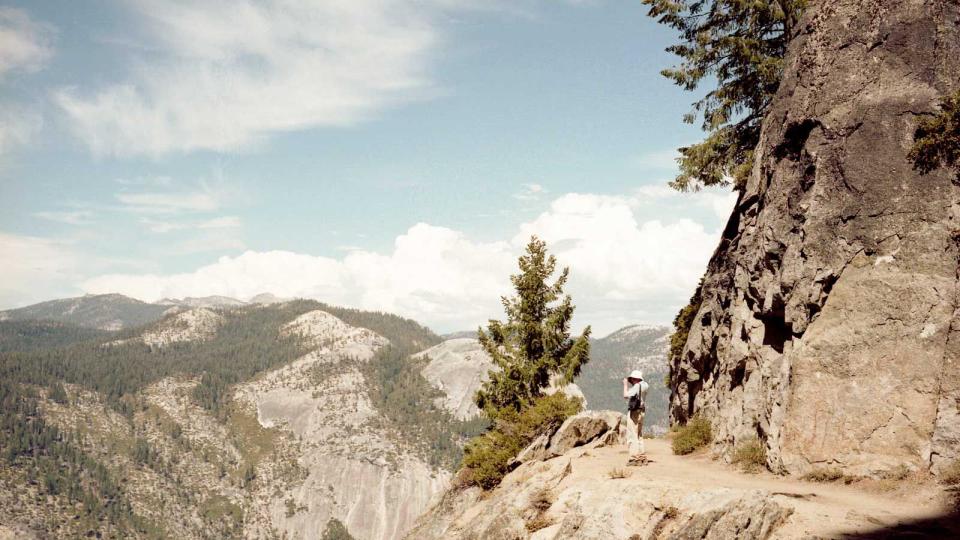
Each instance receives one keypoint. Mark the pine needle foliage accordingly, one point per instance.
(937, 139)
(533, 347)
(739, 45)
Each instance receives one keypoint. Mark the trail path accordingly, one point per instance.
(821, 510)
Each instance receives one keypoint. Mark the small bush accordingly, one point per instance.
(750, 455)
(695, 434)
(827, 474)
(618, 473)
(542, 500)
(487, 457)
(950, 475)
(538, 522)
(898, 473)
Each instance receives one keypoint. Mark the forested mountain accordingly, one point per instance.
(189, 426)
(102, 311)
(612, 357)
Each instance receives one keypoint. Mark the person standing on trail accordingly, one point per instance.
(635, 392)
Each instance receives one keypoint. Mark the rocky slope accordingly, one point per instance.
(578, 486)
(829, 324)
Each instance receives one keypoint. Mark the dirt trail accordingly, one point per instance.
(820, 510)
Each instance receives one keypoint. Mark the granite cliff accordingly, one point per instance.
(828, 325)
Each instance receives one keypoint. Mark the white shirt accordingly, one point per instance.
(640, 387)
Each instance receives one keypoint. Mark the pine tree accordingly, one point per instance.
(533, 346)
(740, 44)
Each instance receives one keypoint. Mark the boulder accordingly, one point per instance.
(582, 429)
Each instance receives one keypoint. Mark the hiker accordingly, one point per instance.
(635, 392)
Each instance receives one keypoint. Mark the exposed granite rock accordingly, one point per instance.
(583, 428)
(829, 326)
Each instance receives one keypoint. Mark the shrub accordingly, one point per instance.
(750, 455)
(487, 457)
(618, 473)
(950, 474)
(827, 474)
(695, 434)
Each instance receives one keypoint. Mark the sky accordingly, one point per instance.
(393, 155)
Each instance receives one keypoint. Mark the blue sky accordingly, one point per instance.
(385, 154)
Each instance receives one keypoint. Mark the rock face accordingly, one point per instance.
(829, 324)
(350, 468)
(458, 366)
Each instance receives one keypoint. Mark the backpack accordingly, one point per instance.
(636, 402)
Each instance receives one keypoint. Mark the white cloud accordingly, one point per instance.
(201, 199)
(224, 75)
(69, 217)
(24, 44)
(433, 273)
(530, 192)
(18, 125)
(626, 266)
(160, 226)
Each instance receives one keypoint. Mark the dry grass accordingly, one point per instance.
(618, 473)
(538, 522)
(540, 501)
(828, 474)
(750, 455)
(950, 475)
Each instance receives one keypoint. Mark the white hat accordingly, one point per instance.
(636, 374)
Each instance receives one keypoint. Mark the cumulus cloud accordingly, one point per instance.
(25, 44)
(224, 74)
(626, 267)
(433, 273)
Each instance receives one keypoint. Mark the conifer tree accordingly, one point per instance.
(534, 345)
(739, 45)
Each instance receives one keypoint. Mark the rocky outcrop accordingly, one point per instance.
(829, 324)
(571, 495)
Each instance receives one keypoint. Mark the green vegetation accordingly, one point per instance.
(246, 344)
(35, 335)
(407, 401)
(531, 349)
(697, 433)
(750, 455)
(52, 460)
(335, 530)
(682, 324)
(487, 458)
(937, 139)
(739, 46)
(534, 345)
